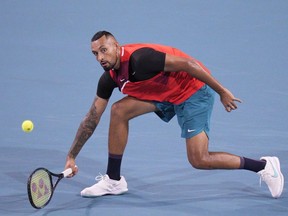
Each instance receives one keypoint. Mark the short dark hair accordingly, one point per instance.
(99, 34)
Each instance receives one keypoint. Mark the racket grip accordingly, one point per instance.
(67, 172)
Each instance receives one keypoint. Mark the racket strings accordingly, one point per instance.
(40, 188)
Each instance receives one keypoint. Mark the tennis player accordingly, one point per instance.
(166, 81)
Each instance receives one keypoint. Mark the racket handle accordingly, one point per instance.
(67, 172)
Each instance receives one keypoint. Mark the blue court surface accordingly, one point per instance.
(49, 75)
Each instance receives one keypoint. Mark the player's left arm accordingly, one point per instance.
(176, 63)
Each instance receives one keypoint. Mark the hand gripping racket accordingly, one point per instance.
(40, 186)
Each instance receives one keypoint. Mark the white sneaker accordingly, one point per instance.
(272, 176)
(105, 186)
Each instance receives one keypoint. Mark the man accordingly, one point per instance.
(168, 82)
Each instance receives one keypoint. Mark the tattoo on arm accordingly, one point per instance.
(85, 130)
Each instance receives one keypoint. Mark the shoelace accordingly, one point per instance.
(109, 185)
(100, 177)
(264, 177)
(260, 181)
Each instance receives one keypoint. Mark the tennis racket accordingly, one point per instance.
(40, 186)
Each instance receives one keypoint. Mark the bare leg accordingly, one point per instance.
(121, 112)
(200, 158)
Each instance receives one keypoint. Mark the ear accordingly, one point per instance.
(117, 45)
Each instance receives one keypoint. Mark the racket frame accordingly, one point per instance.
(60, 176)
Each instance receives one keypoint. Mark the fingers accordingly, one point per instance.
(229, 101)
(232, 105)
(70, 163)
(238, 100)
(74, 171)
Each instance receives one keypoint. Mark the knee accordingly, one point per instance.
(199, 162)
(117, 110)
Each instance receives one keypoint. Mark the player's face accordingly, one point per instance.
(107, 53)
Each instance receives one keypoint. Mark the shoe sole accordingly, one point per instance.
(118, 193)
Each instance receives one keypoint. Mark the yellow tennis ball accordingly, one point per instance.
(27, 126)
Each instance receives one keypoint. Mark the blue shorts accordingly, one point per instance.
(193, 114)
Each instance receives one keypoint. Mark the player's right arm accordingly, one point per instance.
(85, 130)
(91, 120)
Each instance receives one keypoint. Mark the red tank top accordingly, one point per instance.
(173, 87)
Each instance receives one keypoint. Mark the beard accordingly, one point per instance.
(107, 66)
